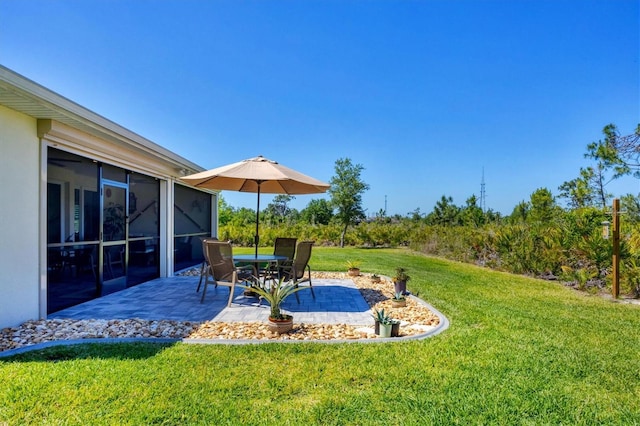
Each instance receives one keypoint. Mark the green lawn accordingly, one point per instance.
(518, 351)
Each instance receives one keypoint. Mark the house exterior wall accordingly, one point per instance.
(19, 217)
(32, 119)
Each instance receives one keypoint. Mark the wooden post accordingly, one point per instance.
(615, 231)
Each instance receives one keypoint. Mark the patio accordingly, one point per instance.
(170, 309)
(338, 301)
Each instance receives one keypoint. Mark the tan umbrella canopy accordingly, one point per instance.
(257, 175)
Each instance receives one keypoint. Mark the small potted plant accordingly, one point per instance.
(398, 300)
(275, 295)
(400, 280)
(384, 324)
(375, 278)
(353, 268)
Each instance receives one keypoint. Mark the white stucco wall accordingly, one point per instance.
(19, 218)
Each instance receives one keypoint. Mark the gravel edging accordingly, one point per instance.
(442, 326)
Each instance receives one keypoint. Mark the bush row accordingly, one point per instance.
(569, 248)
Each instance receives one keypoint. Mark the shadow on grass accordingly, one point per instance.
(90, 349)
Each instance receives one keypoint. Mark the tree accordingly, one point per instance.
(415, 215)
(278, 210)
(225, 211)
(617, 154)
(520, 212)
(631, 206)
(244, 216)
(620, 153)
(346, 194)
(444, 213)
(317, 212)
(579, 192)
(543, 206)
(471, 214)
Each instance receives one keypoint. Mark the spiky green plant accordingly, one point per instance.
(275, 294)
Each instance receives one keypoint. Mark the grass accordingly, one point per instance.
(518, 351)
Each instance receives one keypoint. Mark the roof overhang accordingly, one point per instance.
(32, 99)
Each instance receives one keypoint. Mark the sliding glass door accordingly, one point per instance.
(102, 229)
(114, 237)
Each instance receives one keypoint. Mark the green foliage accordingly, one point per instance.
(617, 153)
(399, 296)
(401, 275)
(444, 213)
(278, 211)
(471, 214)
(382, 317)
(543, 206)
(318, 212)
(353, 264)
(275, 295)
(520, 212)
(244, 216)
(630, 277)
(346, 192)
(580, 276)
(630, 204)
(580, 192)
(225, 211)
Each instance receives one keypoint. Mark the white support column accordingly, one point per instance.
(42, 234)
(166, 228)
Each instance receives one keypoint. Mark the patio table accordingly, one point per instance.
(256, 260)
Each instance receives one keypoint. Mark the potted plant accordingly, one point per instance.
(384, 324)
(375, 278)
(353, 268)
(400, 280)
(398, 300)
(275, 295)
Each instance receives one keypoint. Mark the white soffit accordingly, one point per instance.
(30, 98)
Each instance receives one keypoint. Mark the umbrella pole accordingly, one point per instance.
(256, 238)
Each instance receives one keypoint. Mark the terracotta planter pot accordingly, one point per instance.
(281, 326)
(398, 303)
(353, 272)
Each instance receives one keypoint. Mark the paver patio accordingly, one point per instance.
(337, 301)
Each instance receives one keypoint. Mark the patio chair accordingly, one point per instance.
(222, 270)
(204, 268)
(299, 266)
(283, 246)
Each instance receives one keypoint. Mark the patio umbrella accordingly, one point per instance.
(259, 175)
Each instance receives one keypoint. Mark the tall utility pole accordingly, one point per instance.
(385, 204)
(482, 194)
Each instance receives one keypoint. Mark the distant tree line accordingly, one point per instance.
(556, 237)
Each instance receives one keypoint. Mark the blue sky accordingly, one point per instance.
(425, 95)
